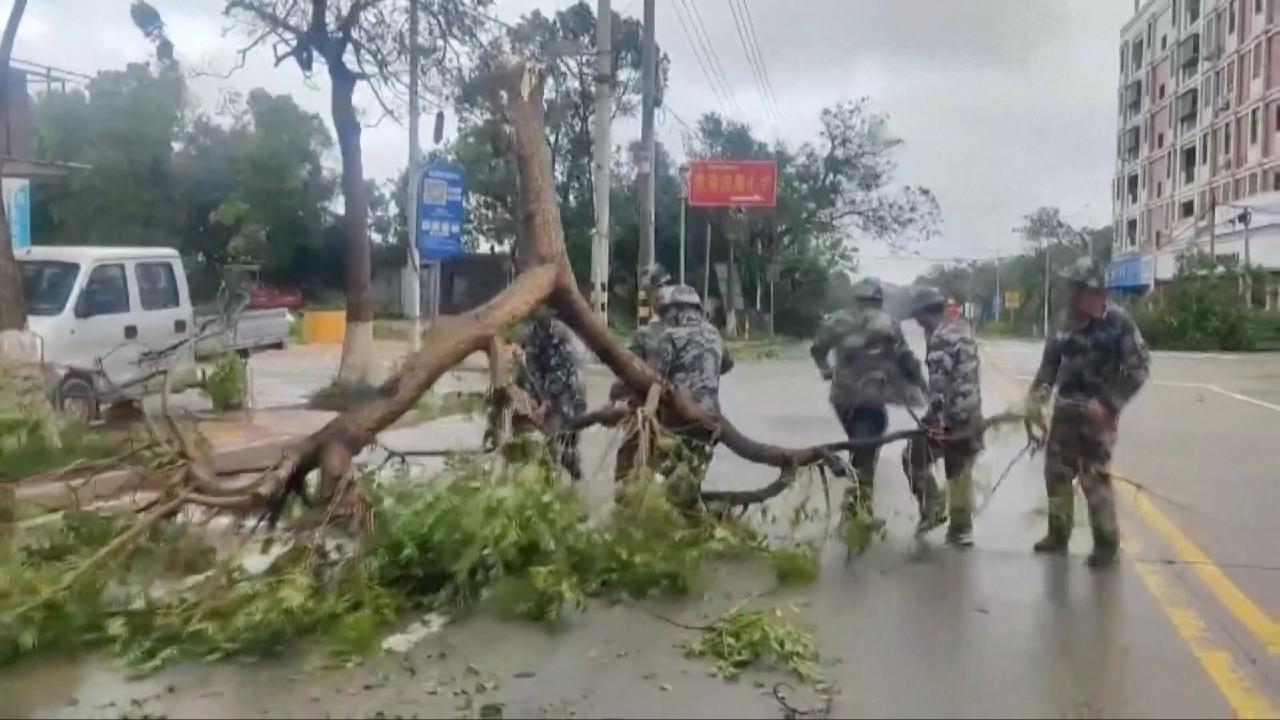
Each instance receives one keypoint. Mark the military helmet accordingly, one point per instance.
(678, 295)
(1084, 272)
(654, 276)
(926, 297)
(868, 289)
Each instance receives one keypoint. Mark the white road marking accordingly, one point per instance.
(1200, 386)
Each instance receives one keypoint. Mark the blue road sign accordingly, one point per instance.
(17, 206)
(440, 212)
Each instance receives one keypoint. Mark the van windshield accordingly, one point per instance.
(46, 285)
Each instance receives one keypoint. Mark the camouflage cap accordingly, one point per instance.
(1084, 272)
(678, 295)
(868, 289)
(925, 297)
(654, 276)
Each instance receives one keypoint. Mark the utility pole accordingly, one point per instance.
(706, 267)
(1047, 281)
(601, 159)
(644, 174)
(413, 273)
(684, 206)
(999, 298)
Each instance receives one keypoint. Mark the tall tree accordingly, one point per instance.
(13, 312)
(483, 145)
(834, 193)
(124, 125)
(359, 42)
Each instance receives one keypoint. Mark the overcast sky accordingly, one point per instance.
(1003, 105)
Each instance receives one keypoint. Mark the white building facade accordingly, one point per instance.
(1198, 141)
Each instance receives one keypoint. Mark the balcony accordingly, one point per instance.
(1131, 143)
(1133, 96)
(1187, 104)
(1189, 51)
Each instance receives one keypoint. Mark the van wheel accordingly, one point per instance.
(77, 399)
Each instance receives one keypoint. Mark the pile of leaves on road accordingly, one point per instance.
(484, 533)
(742, 638)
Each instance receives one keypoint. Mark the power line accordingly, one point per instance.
(754, 68)
(709, 48)
(715, 89)
(764, 69)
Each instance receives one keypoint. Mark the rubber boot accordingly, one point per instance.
(1061, 520)
(1102, 521)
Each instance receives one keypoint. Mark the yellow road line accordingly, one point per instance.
(1259, 624)
(1245, 699)
(1228, 593)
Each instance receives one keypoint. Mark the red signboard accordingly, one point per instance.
(733, 183)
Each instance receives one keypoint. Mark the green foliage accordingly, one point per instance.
(1201, 310)
(248, 182)
(33, 455)
(741, 639)
(521, 535)
(507, 535)
(796, 565)
(227, 384)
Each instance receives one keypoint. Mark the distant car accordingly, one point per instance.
(269, 297)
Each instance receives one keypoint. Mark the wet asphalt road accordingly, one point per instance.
(1188, 624)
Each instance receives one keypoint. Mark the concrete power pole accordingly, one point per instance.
(602, 159)
(413, 273)
(644, 174)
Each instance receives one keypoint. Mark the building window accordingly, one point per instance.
(1159, 190)
(1193, 11)
(1205, 91)
(1189, 164)
(1231, 17)
(1257, 60)
(1186, 209)
(1257, 7)
(1159, 140)
(1255, 119)
(1275, 181)
(1253, 183)
(1164, 43)
(1204, 149)
(1278, 117)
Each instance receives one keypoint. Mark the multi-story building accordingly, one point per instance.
(1198, 144)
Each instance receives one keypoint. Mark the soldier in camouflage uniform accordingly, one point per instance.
(550, 374)
(874, 368)
(954, 418)
(652, 279)
(1097, 363)
(688, 352)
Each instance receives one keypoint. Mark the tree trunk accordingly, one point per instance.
(13, 311)
(357, 345)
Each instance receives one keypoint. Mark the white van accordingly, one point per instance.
(110, 318)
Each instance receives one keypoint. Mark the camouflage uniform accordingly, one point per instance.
(955, 405)
(550, 374)
(874, 368)
(688, 352)
(1106, 359)
(652, 279)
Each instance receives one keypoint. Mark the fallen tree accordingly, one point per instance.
(545, 278)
